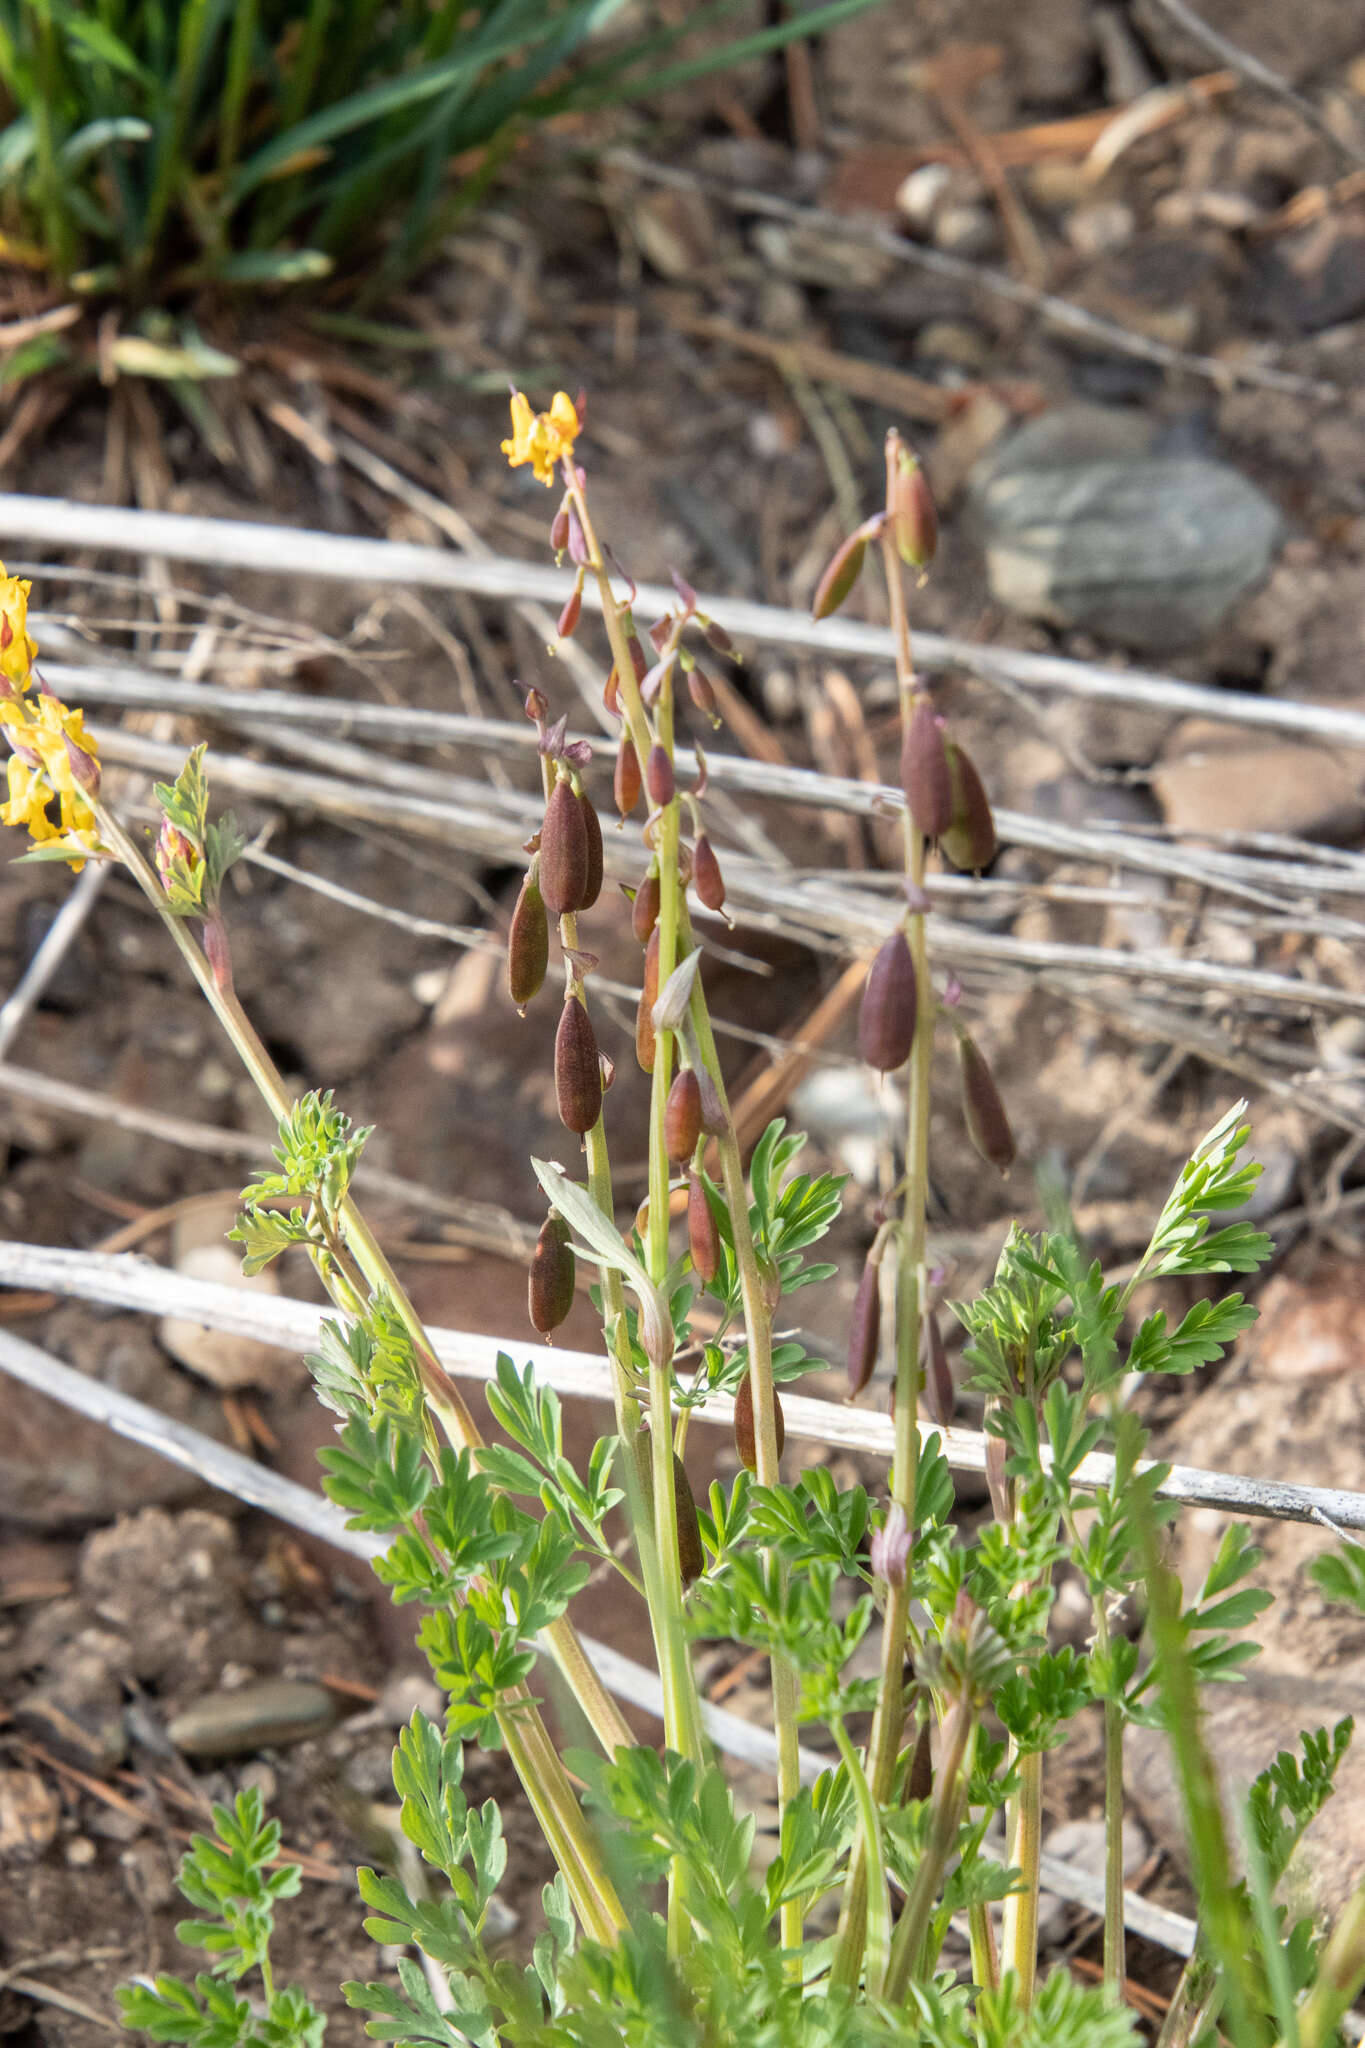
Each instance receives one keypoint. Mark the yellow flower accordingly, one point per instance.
(541, 438)
(17, 650)
(30, 793)
(54, 757)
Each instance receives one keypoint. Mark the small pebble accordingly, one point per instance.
(1107, 224)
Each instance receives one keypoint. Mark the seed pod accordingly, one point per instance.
(840, 577)
(592, 827)
(886, 1020)
(659, 779)
(703, 1237)
(550, 1288)
(563, 852)
(988, 1127)
(682, 1117)
(528, 945)
(578, 1070)
(559, 530)
(718, 637)
(637, 658)
(919, 1783)
(914, 515)
(746, 1440)
(691, 1556)
(702, 691)
(707, 879)
(628, 781)
(864, 1330)
(939, 1395)
(649, 996)
(969, 842)
(611, 693)
(925, 778)
(644, 913)
(569, 617)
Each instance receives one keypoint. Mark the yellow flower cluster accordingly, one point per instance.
(51, 754)
(541, 438)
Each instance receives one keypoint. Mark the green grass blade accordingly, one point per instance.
(759, 44)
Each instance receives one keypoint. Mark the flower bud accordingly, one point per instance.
(864, 1329)
(85, 769)
(841, 575)
(528, 945)
(592, 829)
(707, 879)
(924, 770)
(644, 912)
(702, 691)
(578, 1070)
(939, 1394)
(890, 1547)
(563, 852)
(682, 1117)
(550, 1288)
(559, 529)
(746, 1439)
(536, 705)
(886, 1020)
(969, 841)
(628, 781)
(914, 517)
(691, 1556)
(649, 996)
(988, 1127)
(171, 844)
(659, 778)
(569, 617)
(703, 1235)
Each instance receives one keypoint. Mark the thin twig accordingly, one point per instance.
(1260, 74)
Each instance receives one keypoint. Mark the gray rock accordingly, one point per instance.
(1084, 526)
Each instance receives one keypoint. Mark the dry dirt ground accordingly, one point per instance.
(725, 446)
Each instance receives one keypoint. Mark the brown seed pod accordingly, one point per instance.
(914, 515)
(746, 1439)
(637, 658)
(682, 1116)
(707, 879)
(528, 945)
(969, 842)
(578, 1070)
(659, 779)
(864, 1330)
(841, 575)
(611, 693)
(563, 852)
(691, 1556)
(886, 1020)
(702, 691)
(550, 1287)
(569, 617)
(988, 1127)
(919, 1782)
(925, 778)
(649, 996)
(939, 1396)
(592, 827)
(628, 781)
(559, 530)
(644, 912)
(703, 1236)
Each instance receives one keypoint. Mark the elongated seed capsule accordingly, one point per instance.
(550, 1284)
(528, 945)
(691, 1556)
(746, 1440)
(569, 617)
(702, 691)
(592, 828)
(682, 1116)
(611, 692)
(839, 578)
(938, 1380)
(659, 779)
(969, 842)
(864, 1330)
(924, 771)
(886, 1020)
(644, 912)
(649, 996)
(578, 1070)
(559, 530)
(919, 1782)
(563, 852)
(914, 515)
(703, 1237)
(707, 879)
(627, 782)
(988, 1127)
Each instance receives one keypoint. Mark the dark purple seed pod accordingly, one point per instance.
(703, 1236)
(637, 658)
(563, 852)
(707, 879)
(840, 577)
(559, 530)
(691, 1556)
(550, 1287)
(702, 691)
(528, 945)
(969, 842)
(746, 1438)
(864, 1330)
(988, 1127)
(919, 1782)
(649, 996)
(592, 827)
(939, 1396)
(644, 912)
(925, 778)
(628, 781)
(659, 779)
(890, 1005)
(682, 1116)
(718, 637)
(578, 1070)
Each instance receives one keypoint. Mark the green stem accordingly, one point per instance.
(1115, 1961)
(950, 1799)
(1019, 1944)
(877, 1951)
(1341, 1974)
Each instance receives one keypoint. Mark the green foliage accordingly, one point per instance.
(192, 872)
(1340, 1575)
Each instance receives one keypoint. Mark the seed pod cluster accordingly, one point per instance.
(564, 852)
(969, 840)
(890, 1006)
(864, 1329)
(644, 912)
(703, 1236)
(644, 1014)
(924, 771)
(550, 1286)
(578, 1069)
(983, 1112)
(682, 1116)
(707, 879)
(746, 1439)
(528, 944)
